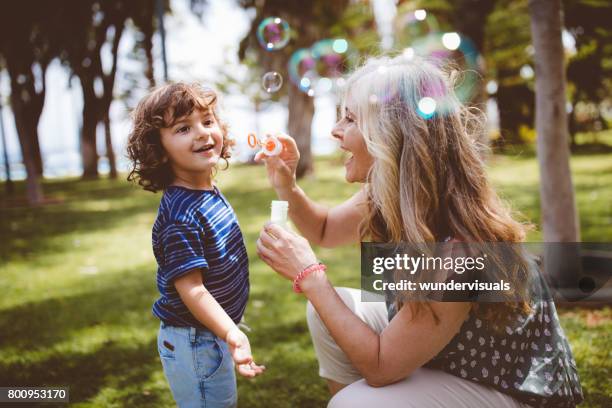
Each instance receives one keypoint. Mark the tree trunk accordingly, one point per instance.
(36, 154)
(25, 127)
(110, 152)
(560, 221)
(573, 129)
(30, 102)
(91, 118)
(559, 216)
(106, 100)
(148, 49)
(89, 151)
(301, 112)
(159, 5)
(7, 167)
(27, 106)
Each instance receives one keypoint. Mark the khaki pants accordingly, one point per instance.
(425, 388)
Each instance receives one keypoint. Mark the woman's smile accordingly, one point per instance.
(349, 160)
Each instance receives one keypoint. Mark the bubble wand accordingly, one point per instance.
(270, 146)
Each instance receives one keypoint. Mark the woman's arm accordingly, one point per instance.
(207, 310)
(323, 226)
(403, 346)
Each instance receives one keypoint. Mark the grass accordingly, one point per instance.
(77, 280)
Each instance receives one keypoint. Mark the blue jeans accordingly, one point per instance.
(198, 366)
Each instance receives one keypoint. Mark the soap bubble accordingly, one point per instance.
(420, 14)
(426, 107)
(452, 41)
(305, 83)
(324, 85)
(302, 69)
(340, 46)
(413, 24)
(271, 81)
(526, 72)
(408, 53)
(332, 57)
(273, 33)
(491, 87)
(452, 51)
(320, 67)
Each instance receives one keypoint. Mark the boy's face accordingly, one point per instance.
(193, 143)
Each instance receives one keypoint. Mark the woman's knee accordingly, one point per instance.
(342, 399)
(360, 395)
(352, 396)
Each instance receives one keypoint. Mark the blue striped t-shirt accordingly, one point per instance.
(198, 229)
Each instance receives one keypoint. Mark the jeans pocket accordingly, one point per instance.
(208, 356)
(165, 345)
(218, 377)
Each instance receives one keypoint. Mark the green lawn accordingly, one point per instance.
(78, 281)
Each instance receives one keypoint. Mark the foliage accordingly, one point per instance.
(590, 69)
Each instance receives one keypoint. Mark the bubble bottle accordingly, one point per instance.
(278, 213)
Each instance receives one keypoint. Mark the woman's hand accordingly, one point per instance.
(240, 349)
(284, 251)
(281, 169)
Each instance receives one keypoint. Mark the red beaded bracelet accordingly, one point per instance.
(307, 271)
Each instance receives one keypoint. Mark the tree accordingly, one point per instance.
(7, 167)
(143, 18)
(469, 18)
(142, 25)
(507, 48)
(591, 66)
(33, 33)
(559, 216)
(311, 20)
(27, 43)
(92, 25)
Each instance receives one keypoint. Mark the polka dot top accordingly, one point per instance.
(530, 359)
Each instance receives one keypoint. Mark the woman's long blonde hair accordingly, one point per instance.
(428, 179)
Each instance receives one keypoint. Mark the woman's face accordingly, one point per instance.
(351, 140)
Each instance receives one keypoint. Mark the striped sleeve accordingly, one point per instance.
(183, 250)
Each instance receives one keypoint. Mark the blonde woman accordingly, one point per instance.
(423, 182)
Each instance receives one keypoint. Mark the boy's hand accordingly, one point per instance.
(240, 348)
